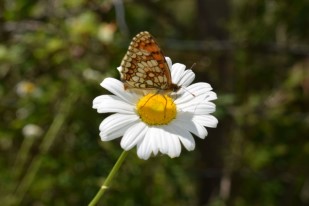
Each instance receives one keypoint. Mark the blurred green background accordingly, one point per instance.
(54, 54)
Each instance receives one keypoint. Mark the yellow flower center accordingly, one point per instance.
(156, 109)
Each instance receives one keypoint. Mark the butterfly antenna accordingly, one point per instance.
(193, 65)
(200, 103)
(186, 88)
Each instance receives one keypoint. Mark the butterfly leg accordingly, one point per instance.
(149, 99)
(165, 106)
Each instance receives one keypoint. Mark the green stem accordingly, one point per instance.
(47, 141)
(22, 156)
(109, 178)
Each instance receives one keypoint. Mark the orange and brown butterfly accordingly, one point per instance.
(144, 66)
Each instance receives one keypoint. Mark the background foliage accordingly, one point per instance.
(54, 54)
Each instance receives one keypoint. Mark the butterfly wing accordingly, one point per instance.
(144, 65)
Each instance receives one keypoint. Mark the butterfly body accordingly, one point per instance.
(144, 66)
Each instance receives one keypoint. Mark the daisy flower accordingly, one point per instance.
(154, 122)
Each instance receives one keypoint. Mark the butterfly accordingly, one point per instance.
(144, 66)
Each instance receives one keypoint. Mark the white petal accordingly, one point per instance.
(144, 147)
(203, 86)
(209, 96)
(116, 134)
(187, 78)
(184, 120)
(204, 97)
(169, 62)
(115, 122)
(206, 120)
(198, 108)
(197, 124)
(112, 103)
(185, 137)
(185, 97)
(161, 140)
(177, 72)
(174, 147)
(133, 135)
(154, 144)
(196, 92)
(116, 87)
(171, 144)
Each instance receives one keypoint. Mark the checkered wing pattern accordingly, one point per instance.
(144, 65)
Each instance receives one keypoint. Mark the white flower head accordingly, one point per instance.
(32, 130)
(157, 123)
(27, 88)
